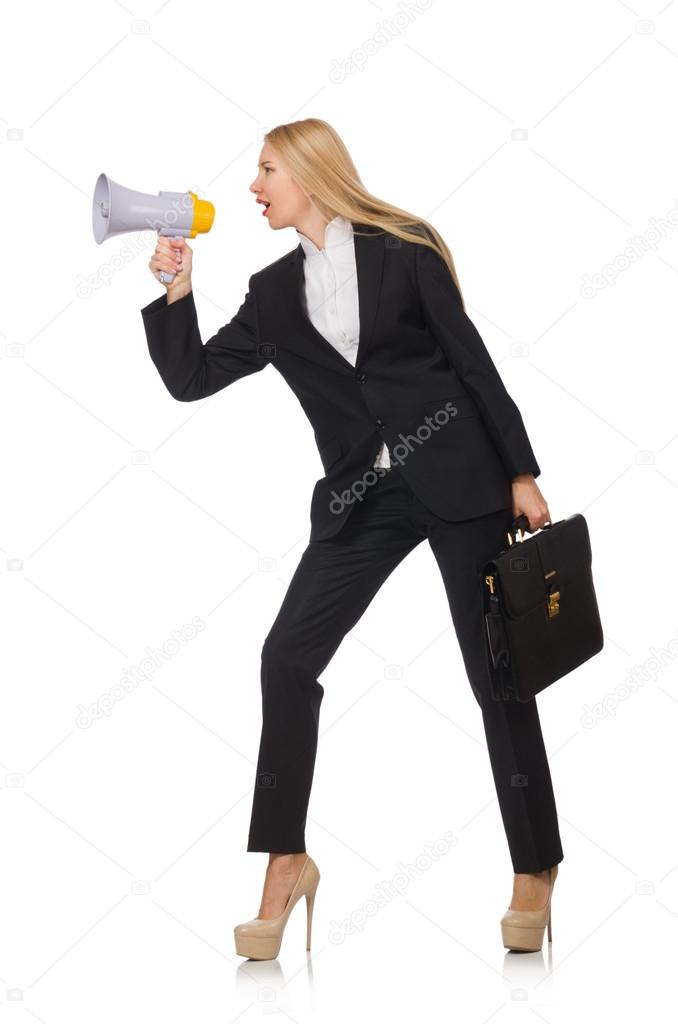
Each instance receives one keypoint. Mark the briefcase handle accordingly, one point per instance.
(521, 524)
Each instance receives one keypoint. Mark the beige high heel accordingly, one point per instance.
(260, 938)
(524, 929)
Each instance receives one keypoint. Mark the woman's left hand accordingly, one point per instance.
(528, 500)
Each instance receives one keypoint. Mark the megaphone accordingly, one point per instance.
(117, 210)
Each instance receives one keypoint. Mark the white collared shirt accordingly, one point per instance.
(331, 292)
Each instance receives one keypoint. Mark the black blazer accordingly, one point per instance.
(423, 381)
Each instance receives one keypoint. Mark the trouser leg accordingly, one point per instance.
(332, 586)
(512, 729)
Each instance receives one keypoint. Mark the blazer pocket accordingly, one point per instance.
(330, 452)
(451, 407)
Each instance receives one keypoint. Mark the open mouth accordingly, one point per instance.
(266, 206)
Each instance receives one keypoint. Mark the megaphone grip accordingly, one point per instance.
(165, 276)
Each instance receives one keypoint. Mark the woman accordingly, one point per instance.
(423, 442)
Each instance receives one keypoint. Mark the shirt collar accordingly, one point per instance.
(337, 232)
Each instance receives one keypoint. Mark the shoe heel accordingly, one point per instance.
(310, 900)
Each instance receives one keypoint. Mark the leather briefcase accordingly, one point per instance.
(540, 609)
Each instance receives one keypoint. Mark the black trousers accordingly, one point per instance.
(332, 586)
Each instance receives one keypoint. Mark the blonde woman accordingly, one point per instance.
(419, 439)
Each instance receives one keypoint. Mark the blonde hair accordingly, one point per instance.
(320, 164)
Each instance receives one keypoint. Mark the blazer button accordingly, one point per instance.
(362, 378)
(380, 423)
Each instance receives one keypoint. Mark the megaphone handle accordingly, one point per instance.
(165, 276)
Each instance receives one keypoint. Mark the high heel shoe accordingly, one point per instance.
(260, 938)
(524, 929)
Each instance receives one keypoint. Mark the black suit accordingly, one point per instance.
(418, 351)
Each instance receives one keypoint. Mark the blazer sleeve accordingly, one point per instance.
(466, 351)
(191, 370)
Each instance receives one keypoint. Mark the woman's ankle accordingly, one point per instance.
(286, 860)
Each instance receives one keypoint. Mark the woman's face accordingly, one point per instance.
(275, 185)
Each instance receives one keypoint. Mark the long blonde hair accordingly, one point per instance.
(320, 163)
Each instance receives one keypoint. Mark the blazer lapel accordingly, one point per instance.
(369, 258)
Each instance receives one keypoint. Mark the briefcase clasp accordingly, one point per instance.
(553, 603)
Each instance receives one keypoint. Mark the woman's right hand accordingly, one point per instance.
(174, 256)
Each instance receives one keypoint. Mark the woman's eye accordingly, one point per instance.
(267, 169)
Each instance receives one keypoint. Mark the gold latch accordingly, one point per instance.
(489, 580)
(552, 599)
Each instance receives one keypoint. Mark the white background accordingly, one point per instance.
(539, 138)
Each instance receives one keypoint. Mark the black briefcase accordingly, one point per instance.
(540, 609)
